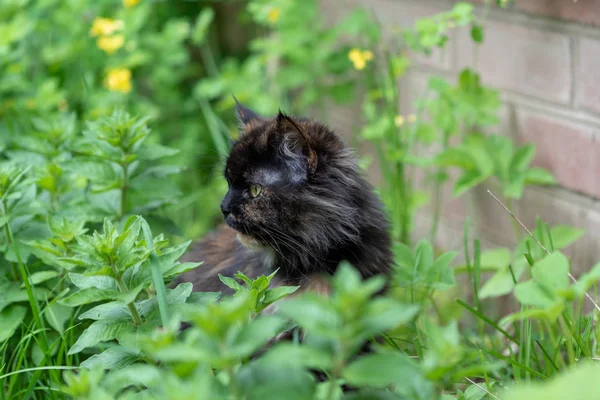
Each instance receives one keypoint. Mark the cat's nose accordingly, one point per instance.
(226, 204)
(225, 209)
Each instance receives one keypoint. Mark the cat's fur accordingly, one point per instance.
(314, 210)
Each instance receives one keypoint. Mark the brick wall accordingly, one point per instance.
(544, 56)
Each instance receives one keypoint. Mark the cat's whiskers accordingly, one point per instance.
(299, 247)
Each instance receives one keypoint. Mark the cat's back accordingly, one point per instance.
(220, 252)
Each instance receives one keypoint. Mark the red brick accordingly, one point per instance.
(582, 11)
(395, 16)
(411, 86)
(587, 93)
(569, 151)
(521, 59)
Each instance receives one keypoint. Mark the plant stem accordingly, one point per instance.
(339, 365)
(437, 194)
(124, 191)
(157, 278)
(35, 308)
(403, 197)
(233, 383)
(559, 359)
(134, 314)
(209, 60)
(568, 339)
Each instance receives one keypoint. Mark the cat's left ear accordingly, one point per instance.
(244, 114)
(297, 140)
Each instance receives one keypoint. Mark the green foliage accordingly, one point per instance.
(86, 287)
(481, 157)
(574, 384)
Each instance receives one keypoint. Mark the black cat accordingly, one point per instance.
(297, 202)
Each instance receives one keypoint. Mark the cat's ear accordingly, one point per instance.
(296, 140)
(244, 114)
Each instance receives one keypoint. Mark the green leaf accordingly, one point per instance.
(440, 274)
(477, 33)
(313, 314)
(11, 293)
(576, 383)
(99, 172)
(180, 268)
(42, 276)
(262, 381)
(174, 296)
(108, 311)
(522, 158)
(531, 294)
(100, 331)
(89, 295)
(456, 157)
(502, 282)
(539, 176)
(587, 280)
(155, 151)
(372, 394)
(383, 314)
(552, 271)
(111, 359)
(143, 375)
(420, 268)
(286, 353)
(255, 335)
(462, 10)
(403, 255)
(231, 283)
(342, 92)
(10, 319)
(379, 370)
(439, 84)
(564, 235)
(382, 370)
(203, 22)
(130, 295)
(467, 180)
(57, 315)
(272, 295)
(514, 188)
(497, 258)
(443, 348)
(102, 282)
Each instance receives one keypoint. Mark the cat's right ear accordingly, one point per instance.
(245, 115)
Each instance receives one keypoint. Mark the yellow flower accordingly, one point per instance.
(273, 15)
(119, 80)
(105, 26)
(130, 3)
(359, 58)
(412, 118)
(399, 121)
(110, 44)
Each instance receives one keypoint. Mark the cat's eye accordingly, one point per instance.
(255, 190)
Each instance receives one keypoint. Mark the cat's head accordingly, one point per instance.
(293, 186)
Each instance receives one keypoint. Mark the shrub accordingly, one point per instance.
(88, 307)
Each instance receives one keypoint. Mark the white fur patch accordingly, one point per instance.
(249, 242)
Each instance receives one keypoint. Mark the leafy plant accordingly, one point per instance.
(88, 307)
